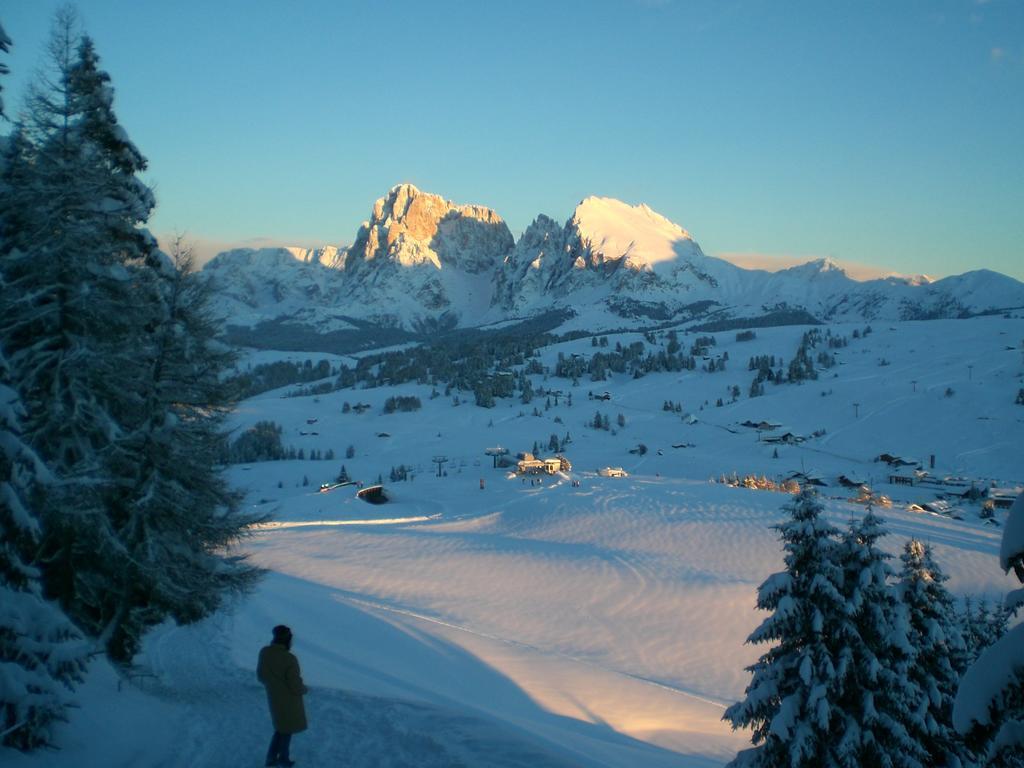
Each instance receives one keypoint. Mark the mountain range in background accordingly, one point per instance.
(422, 264)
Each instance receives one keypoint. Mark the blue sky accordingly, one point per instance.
(882, 133)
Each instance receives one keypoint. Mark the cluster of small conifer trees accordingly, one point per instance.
(113, 516)
(865, 663)
(801, 367)
(280, 373)
(402, 403)
(554, 445)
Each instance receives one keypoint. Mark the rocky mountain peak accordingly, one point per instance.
(817, 269)
(408, 227)
(543, 233)
(329, 256)
(424, 263)
(534, 267)
(421, 257)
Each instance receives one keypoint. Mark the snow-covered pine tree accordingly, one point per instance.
(179, 517)
(981, 624)
(41, 653)
(70, 291)
(789, 703)
(989, 705)
(933, 628)
(880, 702)
(80, 311)
(122, 202)
(113, 360)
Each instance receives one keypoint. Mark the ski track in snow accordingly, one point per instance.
(272, 526)
(378, 606)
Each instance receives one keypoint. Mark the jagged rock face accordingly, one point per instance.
(535, 265)
(606, 251)
(409, 228)
(421, 257)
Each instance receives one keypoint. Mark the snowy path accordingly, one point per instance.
(227, 723)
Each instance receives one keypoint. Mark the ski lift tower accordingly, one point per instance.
(495, 452)
(440, 461)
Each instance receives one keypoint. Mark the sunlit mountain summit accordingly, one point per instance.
(421, 263)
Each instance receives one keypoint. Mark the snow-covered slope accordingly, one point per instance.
(588, 621)
(613, 256)
(421, 262)
(628, 261)
(607, 234)
(614, 261)
(257, 285)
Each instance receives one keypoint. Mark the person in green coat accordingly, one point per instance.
(278, 670)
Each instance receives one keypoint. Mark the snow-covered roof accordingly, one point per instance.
(1005, 493)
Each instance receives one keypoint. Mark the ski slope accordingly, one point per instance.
(598, 624)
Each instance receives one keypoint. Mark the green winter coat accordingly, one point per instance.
(278, 670)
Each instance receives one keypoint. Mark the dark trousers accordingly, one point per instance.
(278, 752)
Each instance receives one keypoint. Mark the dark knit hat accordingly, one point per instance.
(282, 634)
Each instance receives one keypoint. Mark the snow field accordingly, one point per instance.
(974, 432)
(550, 625)
(625, 602)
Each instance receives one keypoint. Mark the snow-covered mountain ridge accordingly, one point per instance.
(423, 263)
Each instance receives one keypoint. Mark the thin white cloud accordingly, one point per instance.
(997, 53)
